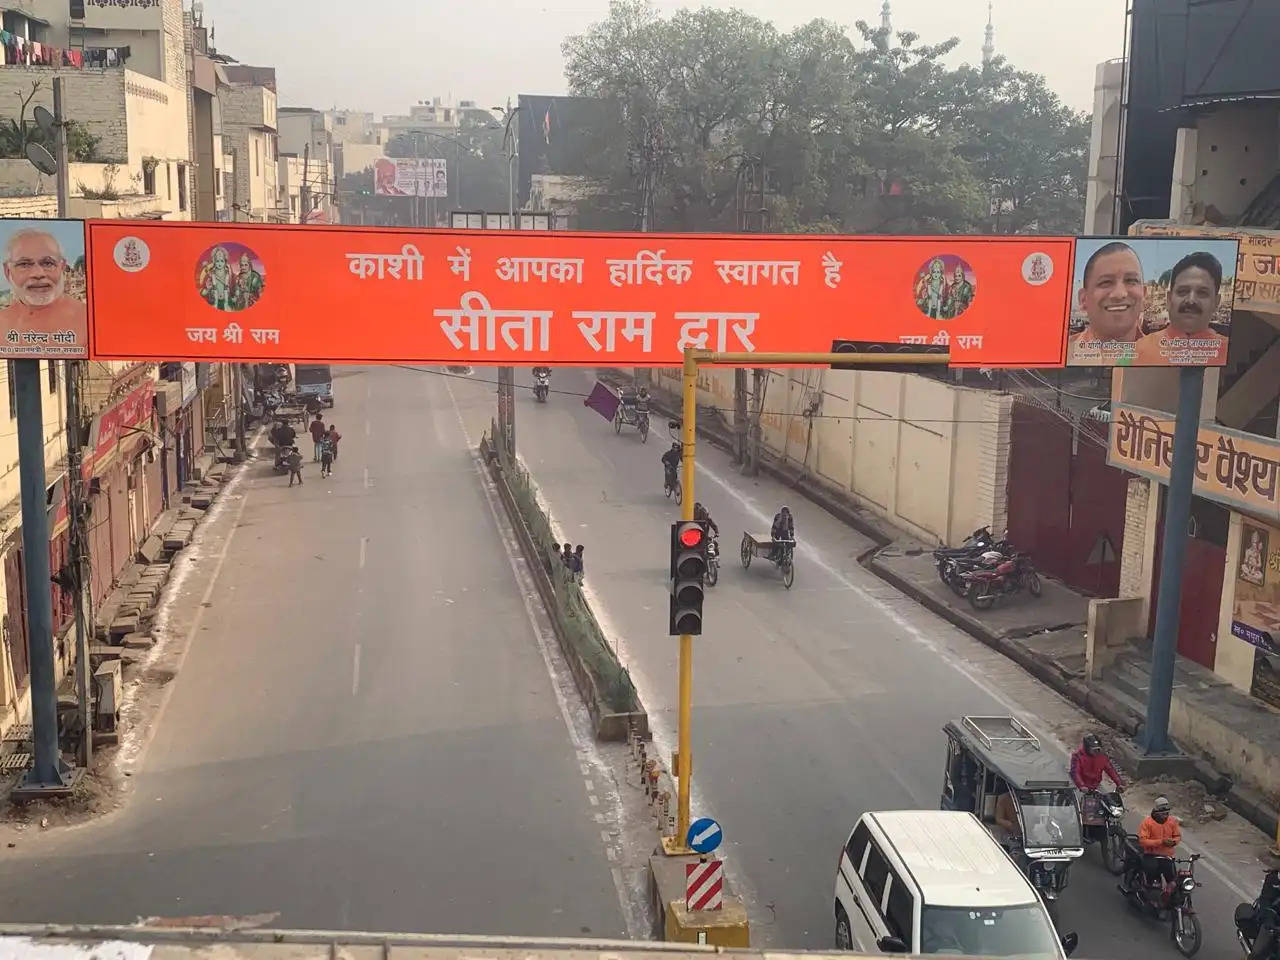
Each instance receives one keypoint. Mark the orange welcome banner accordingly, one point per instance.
(219, 292)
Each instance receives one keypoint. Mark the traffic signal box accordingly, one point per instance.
(688, 572)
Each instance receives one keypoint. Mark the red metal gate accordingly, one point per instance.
(1201, 594)
(1066, 505)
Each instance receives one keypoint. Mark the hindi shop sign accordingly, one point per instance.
(1239, 469)
(1257, 272)
(216, 292)
(130, 415)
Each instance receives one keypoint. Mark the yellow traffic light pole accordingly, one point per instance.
(688, 435)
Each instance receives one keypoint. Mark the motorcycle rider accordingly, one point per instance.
(1159, 836)
(671, 463)
(1089, 764)
(703, 515)
(1259, 922)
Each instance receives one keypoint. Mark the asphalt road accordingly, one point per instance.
(364, 733)
(810, 705)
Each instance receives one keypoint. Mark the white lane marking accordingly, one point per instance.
(366, 478)
(633, 915)
(364, 550)
(1214, 865)
(355, 669)
(368, 428)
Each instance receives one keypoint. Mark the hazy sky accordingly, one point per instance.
(381, 55)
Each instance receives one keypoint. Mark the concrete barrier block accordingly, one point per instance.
(124, 625)
(151, 549)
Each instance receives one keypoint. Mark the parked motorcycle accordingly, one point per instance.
(984, 585)
(1258, 923)
(541, 386)
(713, 561)
(1102, 817)
(945, 558)
(1172, 904)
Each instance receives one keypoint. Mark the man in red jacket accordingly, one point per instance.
(1089, 763)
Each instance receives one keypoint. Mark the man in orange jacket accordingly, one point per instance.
(1159, 837)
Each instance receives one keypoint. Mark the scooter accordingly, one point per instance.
(1153, 899)
(713, 561)
(541, 386)
(1258, 923)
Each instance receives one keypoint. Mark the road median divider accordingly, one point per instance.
(603, 682)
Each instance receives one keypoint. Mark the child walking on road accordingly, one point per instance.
(295, 465)
(326, 457)
(334, 437)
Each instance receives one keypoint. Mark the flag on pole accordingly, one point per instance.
(602, 400)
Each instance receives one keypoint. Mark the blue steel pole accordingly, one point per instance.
(1177, 514)
(48, 768)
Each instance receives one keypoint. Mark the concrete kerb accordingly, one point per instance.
(1091, 698)
(609, 725)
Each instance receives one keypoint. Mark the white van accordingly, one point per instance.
(935, 881)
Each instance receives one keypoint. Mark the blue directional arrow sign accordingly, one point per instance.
(704, 835)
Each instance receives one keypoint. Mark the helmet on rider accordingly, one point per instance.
(1092, 745)
(1160, 809)
(699, 511)
(675, 447)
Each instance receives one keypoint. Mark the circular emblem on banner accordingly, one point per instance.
(1037, 269)
(945, 287)
(132, 254)
(230, 276)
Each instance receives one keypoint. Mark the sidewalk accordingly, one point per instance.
(121, 629)
(1047, 638)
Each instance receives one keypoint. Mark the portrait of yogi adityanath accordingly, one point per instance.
(1112, 295)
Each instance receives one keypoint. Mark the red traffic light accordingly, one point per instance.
(691, 536)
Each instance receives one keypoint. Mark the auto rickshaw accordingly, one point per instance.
(990, 759)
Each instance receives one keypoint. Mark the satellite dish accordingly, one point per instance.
(46, 122)
(41, 159)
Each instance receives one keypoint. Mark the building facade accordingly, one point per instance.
(249, 133)
(125, 85)
(1211, 117)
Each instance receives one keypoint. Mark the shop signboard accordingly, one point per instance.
(1235, 468)
(1255, 610)
(1257, 271)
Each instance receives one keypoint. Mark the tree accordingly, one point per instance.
(359, 204)
(16, 133)
(869, 134)
(1028, 149)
